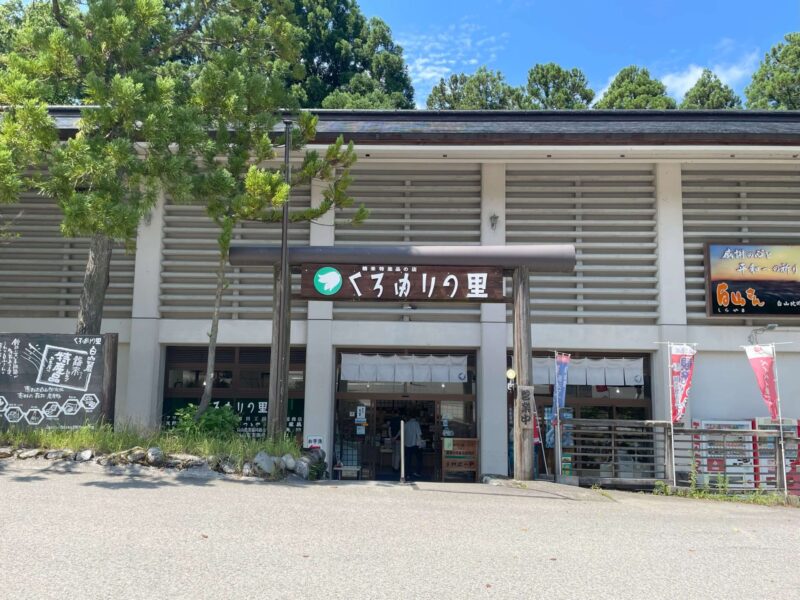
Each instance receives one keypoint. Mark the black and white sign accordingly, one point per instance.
(56, 380)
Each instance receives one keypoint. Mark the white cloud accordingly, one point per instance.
(425, 69)
(460, 47)
(725, 45)
(733, 74)
(681, 82)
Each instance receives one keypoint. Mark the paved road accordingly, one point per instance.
(75, 531)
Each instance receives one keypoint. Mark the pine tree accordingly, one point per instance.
(551, 87)
(776, 83)
(710, 93)
(483, 90)
(633, 88)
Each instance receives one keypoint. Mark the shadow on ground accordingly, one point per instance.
(129, 476)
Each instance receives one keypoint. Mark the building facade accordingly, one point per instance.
(639, 194)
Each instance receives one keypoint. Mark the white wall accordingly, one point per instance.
(123, 358)
(725, 387)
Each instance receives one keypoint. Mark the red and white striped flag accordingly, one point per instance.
(681, 369)
(762, 359)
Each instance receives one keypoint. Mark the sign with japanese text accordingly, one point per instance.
(681, 369)
(390, 283)
(762, 360)
(460, 457)
(560, 387)
(252, 413)
(752, 279)
(56, 380)
(527, 412)
(314, 441)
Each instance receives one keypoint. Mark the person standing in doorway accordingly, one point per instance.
(412, 434)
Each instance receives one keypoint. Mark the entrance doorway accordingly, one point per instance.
(368, 414)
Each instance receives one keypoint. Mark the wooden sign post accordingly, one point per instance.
(523, 409)
(430, 274)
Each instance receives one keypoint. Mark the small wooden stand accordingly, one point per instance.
(462, 458)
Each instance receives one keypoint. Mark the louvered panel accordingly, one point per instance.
(189, 264)
(41, 271)
(419, 205)
(609, 214)
(738, 206)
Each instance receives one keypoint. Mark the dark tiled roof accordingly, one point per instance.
(588, 127)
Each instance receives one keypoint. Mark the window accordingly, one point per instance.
(241, 381)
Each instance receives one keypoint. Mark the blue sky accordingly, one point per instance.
(674, 39)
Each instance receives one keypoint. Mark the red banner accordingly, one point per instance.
(762, 359)
(681, 368)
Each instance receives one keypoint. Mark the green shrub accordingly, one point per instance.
(660, 488)
(218, 422)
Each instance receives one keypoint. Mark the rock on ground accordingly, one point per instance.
(84, 455)
(136, 455)
(289, 461)
(183, 461)
(66, 453)
(155, 456)
(302, 467)
(6, 452)
(266, 464)
(23, 454)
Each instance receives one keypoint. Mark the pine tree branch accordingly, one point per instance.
(186, 33)
(58, 15)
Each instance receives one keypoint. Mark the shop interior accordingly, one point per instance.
(368, 445)
(373, 397)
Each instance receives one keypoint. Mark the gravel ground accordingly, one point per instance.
(82, 531)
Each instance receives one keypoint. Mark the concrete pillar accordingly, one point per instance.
(671, 279)
(492, 405)
(145, 362)
(320, 372)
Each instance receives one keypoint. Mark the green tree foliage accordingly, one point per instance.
(776, 83)
(633, 88)
(159, 76)
(11, 14)
(483, 90)
(551, 87)
(25, 127)
(117, 56)
(710, 93)
(350, 62)
(234, 94)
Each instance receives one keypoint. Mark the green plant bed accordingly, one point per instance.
(212, 436)
(756, 497)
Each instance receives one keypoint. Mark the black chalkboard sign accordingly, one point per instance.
(57, 380)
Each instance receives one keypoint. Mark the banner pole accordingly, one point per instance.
(541, 438)
(558, 443)
(558, 469)
(670, 401)
(780, 425)
(672, 444)
(402, 451)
